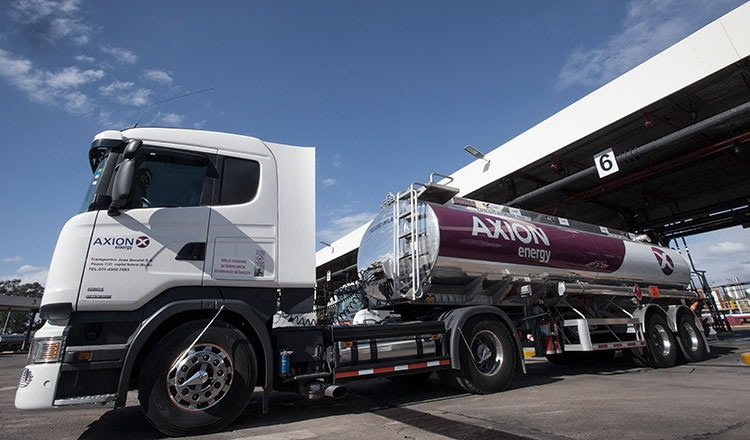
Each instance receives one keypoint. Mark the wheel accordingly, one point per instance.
(661, 343)
(411, 379)
(693, 344)
(637, 356)
(203, 391)
(488, 363)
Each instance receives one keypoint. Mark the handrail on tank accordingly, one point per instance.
(450, 179)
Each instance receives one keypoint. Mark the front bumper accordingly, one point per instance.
(37, 387)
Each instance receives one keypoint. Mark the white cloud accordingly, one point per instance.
(340, 226)
(73, 28)
(338, 160)
(200, 124)
(169, 119)
(137, 98)
(84, 59)
(120, 54)
(126, 93)
(723, 254)
(115, 87)
(16, 259)
(328, 182)
(18, 71)
(28, 274)
(52, 20)
(158, 76)
(26, 268)
(727, 247)
(32, 11)
(71, 77)
(47, 87)
(77, 102)
(649, 27)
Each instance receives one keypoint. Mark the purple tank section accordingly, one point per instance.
(478, 236)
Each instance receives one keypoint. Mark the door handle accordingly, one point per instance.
(192, 252)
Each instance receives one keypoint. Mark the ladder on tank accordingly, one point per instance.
(720, 322)
(407, 230)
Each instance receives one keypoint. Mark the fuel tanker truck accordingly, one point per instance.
(189, 276)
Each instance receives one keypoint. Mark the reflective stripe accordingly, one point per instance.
(620, 345)
(380, 370)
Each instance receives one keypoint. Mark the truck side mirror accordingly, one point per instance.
(131, 148)
(121, 187)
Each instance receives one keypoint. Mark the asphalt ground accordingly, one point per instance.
(705, 400)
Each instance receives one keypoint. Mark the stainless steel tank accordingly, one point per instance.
(411, 247)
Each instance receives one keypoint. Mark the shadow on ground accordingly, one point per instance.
(374, 395)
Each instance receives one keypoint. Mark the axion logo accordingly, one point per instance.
(508, 230)
(664, 260)
(142, 241)
(512, 231)
(126, 243)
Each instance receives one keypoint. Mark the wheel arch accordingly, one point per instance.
(455, 319)
(235, 312)
(643, 313)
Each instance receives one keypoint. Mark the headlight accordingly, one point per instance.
(47, 350)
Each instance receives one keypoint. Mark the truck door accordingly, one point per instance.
(156, 241)
(242, 235)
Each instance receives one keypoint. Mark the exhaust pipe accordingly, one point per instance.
(335, 391)
(317, 389)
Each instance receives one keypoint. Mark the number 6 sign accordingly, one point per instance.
(605, 163)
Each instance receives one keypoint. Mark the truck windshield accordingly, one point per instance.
(96, 197)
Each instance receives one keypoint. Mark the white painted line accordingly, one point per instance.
(7, 388)
(300, 434)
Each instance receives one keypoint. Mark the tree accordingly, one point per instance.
(15, 288)
(18, 321)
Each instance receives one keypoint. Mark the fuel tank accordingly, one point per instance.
(412, 246)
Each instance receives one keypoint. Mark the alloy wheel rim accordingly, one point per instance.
(487, 352)
(201, 378)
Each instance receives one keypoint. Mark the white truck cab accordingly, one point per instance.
(170, 214)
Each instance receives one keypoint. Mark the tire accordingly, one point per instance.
(637, 356)
(693, 345)
(662, 346)
(222, 366)
(490, 365)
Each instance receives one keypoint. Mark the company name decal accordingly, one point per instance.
(125, 243)
(512, 231)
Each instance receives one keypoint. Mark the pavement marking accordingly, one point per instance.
(8, 388)
(300, 434)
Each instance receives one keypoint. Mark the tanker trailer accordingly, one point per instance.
(568, 286)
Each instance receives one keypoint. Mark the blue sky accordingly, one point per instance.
(387, 91)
